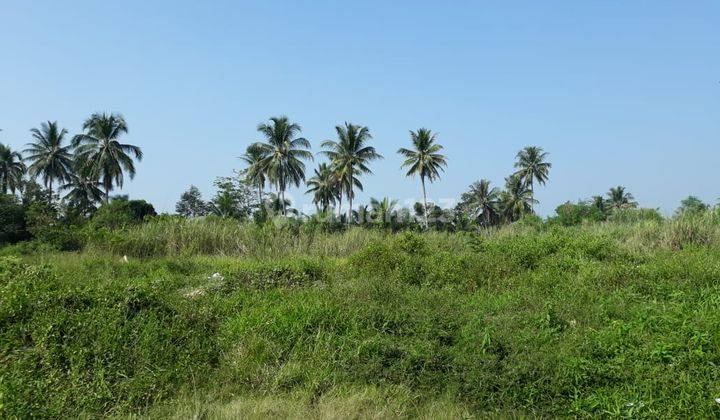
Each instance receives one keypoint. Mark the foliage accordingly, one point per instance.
(282, 154)
(620, 199)
(12, 169)
(233, 198)
(481, 203)
(50, 159)
(100, 153)
(572, 214)
(121, 212)
(424, 160)
(350, 156)
(191, 203)
(12, 220)
(692, 205)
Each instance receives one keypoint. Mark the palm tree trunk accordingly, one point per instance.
(51, 192)
(107, 194)
(532, 197)
(350, 206)
(282, 202)
(425, 212)
(340, 205)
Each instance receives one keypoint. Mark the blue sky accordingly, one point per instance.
(618, 92)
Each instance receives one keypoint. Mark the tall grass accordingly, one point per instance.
(169, 237)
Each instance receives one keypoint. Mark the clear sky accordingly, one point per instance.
(618, 92)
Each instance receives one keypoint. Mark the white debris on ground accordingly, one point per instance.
(194, 294)
(216, 283)
(124, 259)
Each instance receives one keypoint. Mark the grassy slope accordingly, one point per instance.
(600, 320)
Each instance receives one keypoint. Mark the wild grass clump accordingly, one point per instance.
(216, 236)
(692, 230)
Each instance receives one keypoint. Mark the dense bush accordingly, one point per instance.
(572, 214)
(12, 220)
(121, 212)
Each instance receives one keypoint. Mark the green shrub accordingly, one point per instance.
(630, 215)
(121, 212)
(12, 220)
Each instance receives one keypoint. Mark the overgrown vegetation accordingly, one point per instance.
(536, 318)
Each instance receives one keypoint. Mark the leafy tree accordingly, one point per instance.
(12, 169)
(571, 214)
(100, 152)
(619, 199)
(692, 205)
(256, 173)
(324, 187)
(49, 158)
(532, 166)
(12, 220)
(32, 192)
(284, 153)
(517, 199)
(191, 203)
(233, 198)
(350, 156)
(424, 159)
(481, 202)
(599, 203)
(120, 212)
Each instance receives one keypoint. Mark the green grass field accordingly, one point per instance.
(614, 319)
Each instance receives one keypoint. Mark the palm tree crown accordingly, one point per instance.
(255, 172)
(383, 210)
(12, 169)
(100, 152)
(532, 166)
(618, 198)
(323, 186)
(517, 199)
(482, 202)
(49, 158)
(284, 153)
(424, 160)
(350, 156)
(83, 191)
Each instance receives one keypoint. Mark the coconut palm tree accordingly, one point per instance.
(323, 186)
(482, 202)
(256, 173)
(383, 210)
(12, 169)
(532, 166)
(284, 154)
(517, 199)
(49, 158)
(350, 156)
(618, 198)
(424, 160)
(100, 152)
(83, 191)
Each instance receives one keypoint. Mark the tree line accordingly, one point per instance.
(85, 167)
(278, 161)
